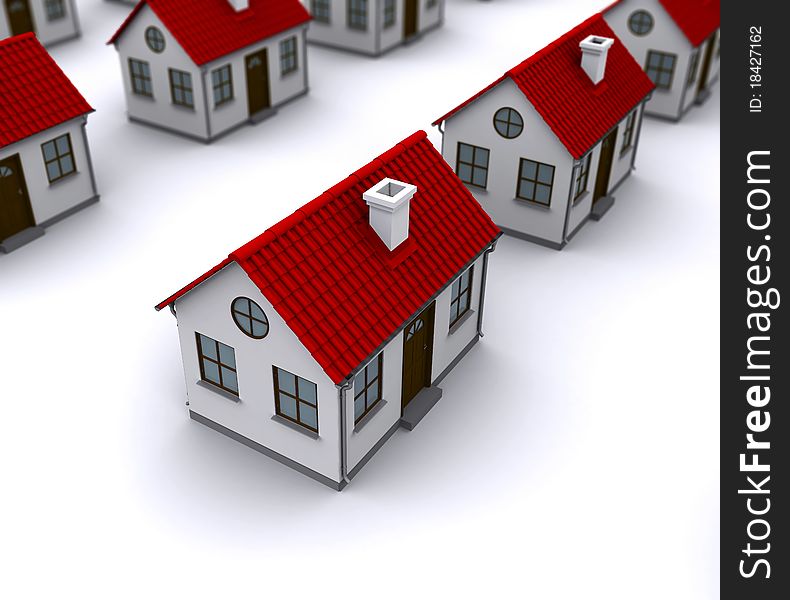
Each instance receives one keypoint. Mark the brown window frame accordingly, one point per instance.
(289, 57)
(179, 87)
(55, 9)
(321, 10)
(58, 158)
(661, 69)
(536, 182)
(356, 12)
(297, 399)
(628, 133)
(222, 87)
(390, 13)
(455, 297)
(140, 79)
(638, 14)
(473, 165)
(217, 361)
(582, 179)
(693, 68)
(367, 383)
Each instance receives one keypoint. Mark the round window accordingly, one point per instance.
(250, 318)
(155, 39)
(640, 22)
(508, 123)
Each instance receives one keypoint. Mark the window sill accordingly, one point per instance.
(140, 96)
(581, 198)
(218, 390)
(533, 204)
(369, 417)
(625, 152)
(290, 73)
(183, 107)
(295, 426)
(476, 188)
(224, 103)
(461, 320)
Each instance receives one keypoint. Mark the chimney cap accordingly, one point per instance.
(596, 43)
(390, 194)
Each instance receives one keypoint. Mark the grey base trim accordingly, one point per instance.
(335, 485)
(253, 120)
(702, 96)
(364, 460)
(601, 207)
(456, 360)
(661, 117)
(532, 238)
(18, 240)
(63, 40)
(26, 236)
(578, 227)
(419, 406)
(68, 212)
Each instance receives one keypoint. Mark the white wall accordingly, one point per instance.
(49, 200)
(664, 37)
(376, 39)
(161, 111)
(48, 32)
(281, 87)
(206, 309)
(446, 347)
(474, 125)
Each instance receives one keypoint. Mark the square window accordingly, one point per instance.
(58, 158)
(461, 296)
(472, 165)
(661, 68)
(217, 364)
(140, 72)
(295, 398)
(288, 56)
(357, 16)
(181, 88)
(368, 387)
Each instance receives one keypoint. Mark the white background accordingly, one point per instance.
(574, 453)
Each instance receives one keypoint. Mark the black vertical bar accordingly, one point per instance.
(755, 262)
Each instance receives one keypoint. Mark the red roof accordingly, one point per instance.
(579, 112)
(332, 279)
(210, 29)
(34, 93)
(697, 19)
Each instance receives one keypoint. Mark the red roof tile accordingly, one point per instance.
(210, 29)
(34, 93)
(577, 111)
(335, 283)
(697, 19)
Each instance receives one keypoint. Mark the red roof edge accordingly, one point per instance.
(17, 38)
(126, 22)
(194, 284)
(485, 90)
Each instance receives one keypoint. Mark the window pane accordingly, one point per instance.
(359, 382)
(456, 289)
(256, 311)
(463, 304)
(453, 312)
(226, 355)
(529, 169)
(543, 194)
(208, 347)
(465, 152)
(287, 381)
(49, 151)
(53, 171)
(479, 178)
(545, 174)
(481, 157)
(62, 144)
(66, 164)
(308, 415)
(229, 380)
(288, 406)
(211, 371)
(259, 329)
(307, 391)
(359, 406)
(465, 172)
(373, 369)
(372, 394)
(527, 190)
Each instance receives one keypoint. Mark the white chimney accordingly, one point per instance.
(239, 5)
(594, 51)
(389, 210)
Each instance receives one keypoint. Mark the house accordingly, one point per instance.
(315, 341)
(544, 146)
(45, 165)
(205, 67)
(372, 26)
(677, 42)
(51, 20)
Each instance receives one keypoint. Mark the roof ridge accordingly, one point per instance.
(300, 214)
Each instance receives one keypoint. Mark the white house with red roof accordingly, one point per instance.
(45, 165)
(52, 21)
(372, 27)
(317, 340)
(544, 146)
(204, 67)
(677, 42)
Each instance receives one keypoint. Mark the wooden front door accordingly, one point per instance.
(411, 18)
(605, 166)
(417, 354)
(258, 97)
(20, 19)
(703, 78)
(16, 214)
